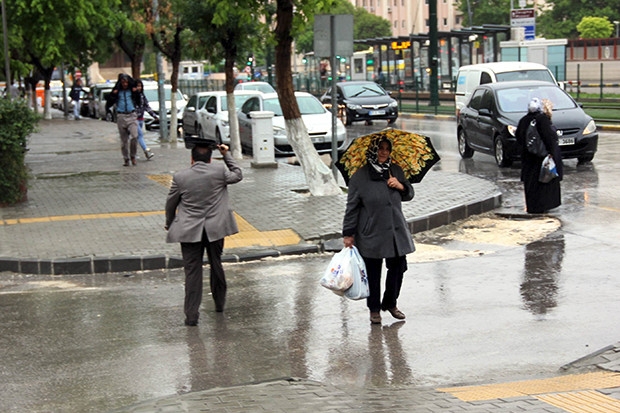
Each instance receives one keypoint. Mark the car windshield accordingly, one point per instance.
(273, 105)
(261, 87)
(517, 99)
(543, 75)
(309, 105)
(239, 101)
(152, 96)
(362, 90)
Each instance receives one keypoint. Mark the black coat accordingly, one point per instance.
(374, 214)
(539, 197)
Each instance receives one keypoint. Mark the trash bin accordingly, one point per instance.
(262, 139)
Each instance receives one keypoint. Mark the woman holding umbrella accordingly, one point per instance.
(375, 224)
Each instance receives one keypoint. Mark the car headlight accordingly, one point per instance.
(393, 104)
(590, 128)
(353, 106)
(512, 129)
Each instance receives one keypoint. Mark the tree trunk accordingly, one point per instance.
(174, 82)
(233, 121)
(318, 176)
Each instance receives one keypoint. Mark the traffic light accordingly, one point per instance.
(250, 61)
(370, 61)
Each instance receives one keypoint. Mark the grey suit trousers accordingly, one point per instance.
(193, 258)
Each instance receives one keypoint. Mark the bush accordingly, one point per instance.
(17, 122)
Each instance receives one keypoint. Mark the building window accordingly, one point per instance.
(402, 24)
(395, 24)
(445, 21)
(426, 23)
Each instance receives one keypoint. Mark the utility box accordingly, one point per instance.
(262, 140)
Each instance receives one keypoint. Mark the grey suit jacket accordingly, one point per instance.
(198, 199)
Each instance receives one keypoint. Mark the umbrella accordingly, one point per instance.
(414, 153)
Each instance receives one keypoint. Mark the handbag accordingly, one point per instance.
(548, 170)
(533, 141)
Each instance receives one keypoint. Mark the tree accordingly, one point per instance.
(485, 12)
(318, 176)
(561, 17)
(595, 28)
(164, 25)
(130, 32)
(226, 30)
(48, 38)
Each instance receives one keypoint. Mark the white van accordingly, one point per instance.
(470, 76)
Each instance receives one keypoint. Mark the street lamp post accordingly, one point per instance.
(617, 23)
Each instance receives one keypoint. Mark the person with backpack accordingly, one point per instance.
(540, 197)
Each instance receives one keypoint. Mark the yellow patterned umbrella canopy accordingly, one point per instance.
(414, 153)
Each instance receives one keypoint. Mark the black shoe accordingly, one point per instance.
(219, 308)
(148, 154)
(126, 162)
(192, 323)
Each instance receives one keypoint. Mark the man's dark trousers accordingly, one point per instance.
(193, 257)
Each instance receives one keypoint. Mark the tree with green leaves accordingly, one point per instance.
(484, 12)
(595, 28)
(49, 34)
(560, 18)
(228, 31)
(130, 31)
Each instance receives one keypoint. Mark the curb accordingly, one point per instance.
(328, 242)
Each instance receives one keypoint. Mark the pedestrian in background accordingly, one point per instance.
(374, 222)
(75, 94)
(143, 106)
(126, 98)
(539, 197)
(198, 216)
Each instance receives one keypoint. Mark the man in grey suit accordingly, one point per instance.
(198, 216)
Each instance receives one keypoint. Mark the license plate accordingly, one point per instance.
(318, 139)
(566, 141)
(376, 112)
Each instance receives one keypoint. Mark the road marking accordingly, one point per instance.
(576, 393)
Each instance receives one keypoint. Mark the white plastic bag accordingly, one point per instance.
(548, 170)
(338, 276)
(359, 290)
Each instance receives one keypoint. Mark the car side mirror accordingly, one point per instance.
(484, 112)
(211, 110)
(190, 109)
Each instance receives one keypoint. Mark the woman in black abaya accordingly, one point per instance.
(540, 197)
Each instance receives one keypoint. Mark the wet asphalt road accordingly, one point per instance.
(96, 343)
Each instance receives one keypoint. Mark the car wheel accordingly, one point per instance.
(585, 159)
(346, 118)
(500, 153)
(218, 137)
(391, 121)
(464, 149)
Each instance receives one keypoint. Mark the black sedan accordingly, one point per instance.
(488, 122)
(363, 101)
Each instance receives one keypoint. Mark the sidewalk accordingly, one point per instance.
(86, 213)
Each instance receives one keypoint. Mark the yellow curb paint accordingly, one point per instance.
(574, 393)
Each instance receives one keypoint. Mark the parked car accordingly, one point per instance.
(263, 87)
(55, 96)
(206, 114)
(469, 77)
(98, 98)
(317, 119)
(363, 101)
(488, 122)
(151, 93)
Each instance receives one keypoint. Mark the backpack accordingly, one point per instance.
(533, 141)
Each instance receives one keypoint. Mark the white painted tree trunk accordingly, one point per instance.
(174, 123)
(233, 125)
(319, 176)
(47, 109)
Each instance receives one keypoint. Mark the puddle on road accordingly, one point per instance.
(42, 286)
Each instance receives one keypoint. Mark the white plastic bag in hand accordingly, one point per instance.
(359, 290)
(338, 276)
